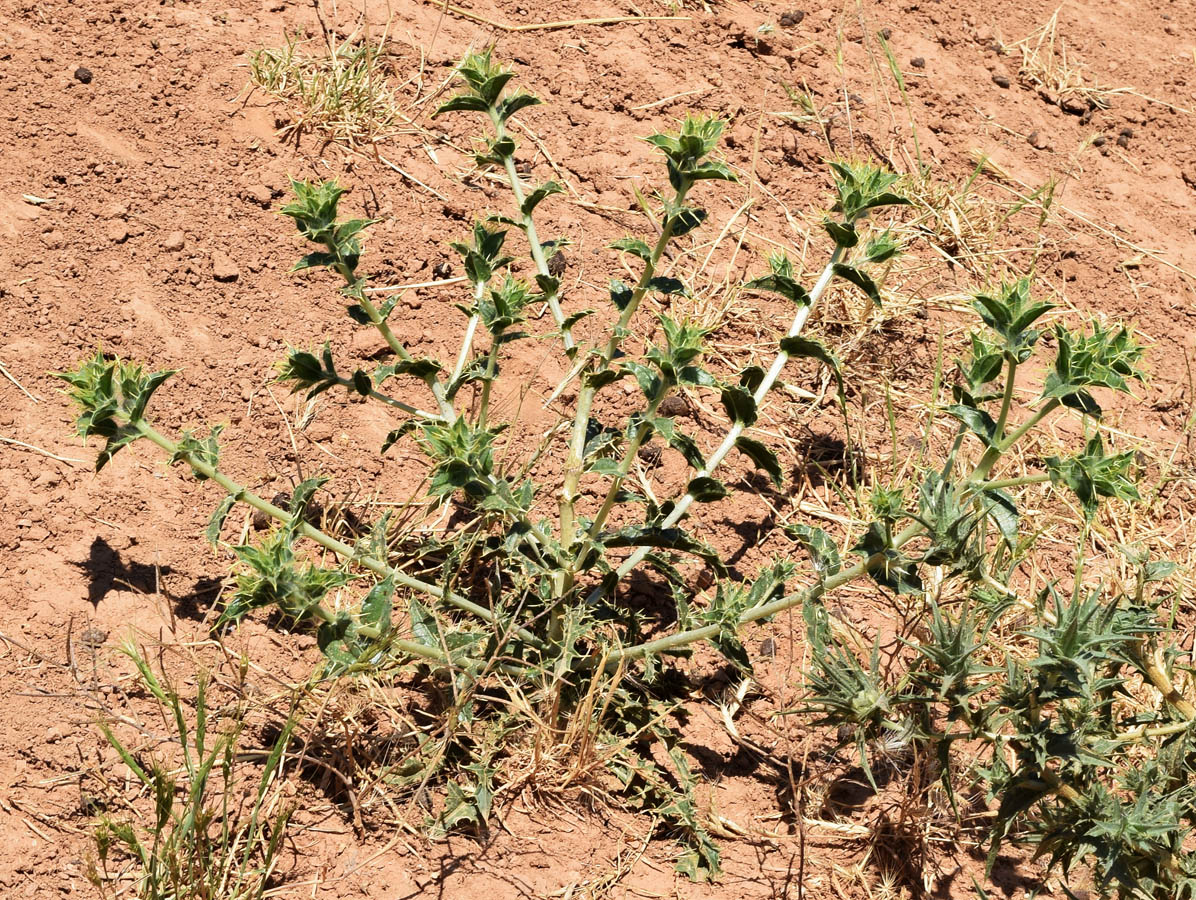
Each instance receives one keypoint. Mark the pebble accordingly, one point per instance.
(174, 242)
(918, 62)
(1037, 140)
(223, 268)
(1000, 79)
(1123, 140)
(83, 75)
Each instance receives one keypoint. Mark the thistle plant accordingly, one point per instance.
(526, 590)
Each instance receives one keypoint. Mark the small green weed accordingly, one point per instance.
(203, 843)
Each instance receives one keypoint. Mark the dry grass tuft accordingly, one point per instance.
(344, 93)
(1047, 66)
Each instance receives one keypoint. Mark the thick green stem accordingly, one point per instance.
(633, 446)
(1003, 483)
(1006, 402)
(377, 566)
(737, 429)
(491, 368)
(575, 461)
(396, 346)
(995, 452)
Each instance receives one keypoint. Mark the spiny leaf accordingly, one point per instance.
(824, 553)
(762, 456)
(216, 523)
(860, 280)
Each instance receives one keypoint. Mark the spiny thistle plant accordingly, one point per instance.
(517, 609)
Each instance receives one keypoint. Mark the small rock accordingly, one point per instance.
(1073, 106)
(118, 232)
(259, 194)
(1037, 140)
(792, 17)
(1000, 79)
(673, 405)
(1123, 140)
(116, 211)
(1099, 141)
(83, 75)
(886, 33)
(918, 62)
(261, 521)
(1126, 132)
(318, 431)
(174, 242)
(223, 268)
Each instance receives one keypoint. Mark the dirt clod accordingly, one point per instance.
(1037, 140)
(223, 268)
(792, 17)
(1073, 106)
(174, 242)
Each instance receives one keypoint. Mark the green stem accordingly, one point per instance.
(633, 446)
(391, 401)
(479, 290)
(1002, 483)
(396, 346)
(683, 638)
(529, 227)
(737, 428)
(764, 610)
(575, 461)
(377, 566)
(1006, 402)
(994, 453)
(491, 368)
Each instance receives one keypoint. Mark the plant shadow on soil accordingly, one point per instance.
(106, 571)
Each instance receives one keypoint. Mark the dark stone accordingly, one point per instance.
(83, 75)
